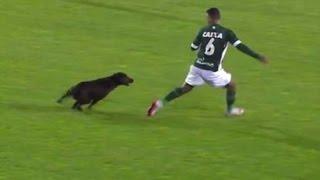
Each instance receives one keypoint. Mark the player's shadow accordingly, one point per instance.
(131, 10)
(281, 136)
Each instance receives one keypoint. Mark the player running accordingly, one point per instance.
(211, 43)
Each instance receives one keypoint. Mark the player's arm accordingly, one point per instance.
(245, 49)
(197, 41)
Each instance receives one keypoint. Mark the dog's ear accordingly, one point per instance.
(120, 74)
(117, 75)
(122, 78)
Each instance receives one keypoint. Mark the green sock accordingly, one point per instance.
(172, 95)
(231, 98)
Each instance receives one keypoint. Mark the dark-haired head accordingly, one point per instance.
(213, 15)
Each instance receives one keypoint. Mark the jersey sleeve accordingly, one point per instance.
(233, 39)
(197, 41)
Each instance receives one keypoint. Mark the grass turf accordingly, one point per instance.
(46, 46)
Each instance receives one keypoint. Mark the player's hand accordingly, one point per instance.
(263, 59)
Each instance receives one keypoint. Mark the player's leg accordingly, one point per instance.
(230, 94)
(158, 104)
(230, 100)
(177, 93)
(223, 79)
(192, 79)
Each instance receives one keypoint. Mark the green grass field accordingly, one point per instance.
(48, 45)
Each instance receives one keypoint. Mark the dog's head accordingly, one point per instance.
(122, 79)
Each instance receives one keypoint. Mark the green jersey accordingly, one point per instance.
(212, 43)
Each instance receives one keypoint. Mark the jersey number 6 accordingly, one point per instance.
(210, 48)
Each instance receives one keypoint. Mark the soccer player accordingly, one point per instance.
(212, 43)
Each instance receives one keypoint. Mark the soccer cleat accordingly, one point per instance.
(235, 112)
(155, 107)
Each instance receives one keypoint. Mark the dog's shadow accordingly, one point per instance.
(107, 115)
(117, 117)
(34, 107)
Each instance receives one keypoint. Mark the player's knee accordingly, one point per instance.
(186, 89)
(231, 86)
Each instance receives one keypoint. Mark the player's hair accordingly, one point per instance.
(214, 12)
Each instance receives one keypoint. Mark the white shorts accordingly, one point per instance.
(198, 77)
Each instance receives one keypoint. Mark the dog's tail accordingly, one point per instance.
(68, 93)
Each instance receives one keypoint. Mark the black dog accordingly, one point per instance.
(90, 92)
